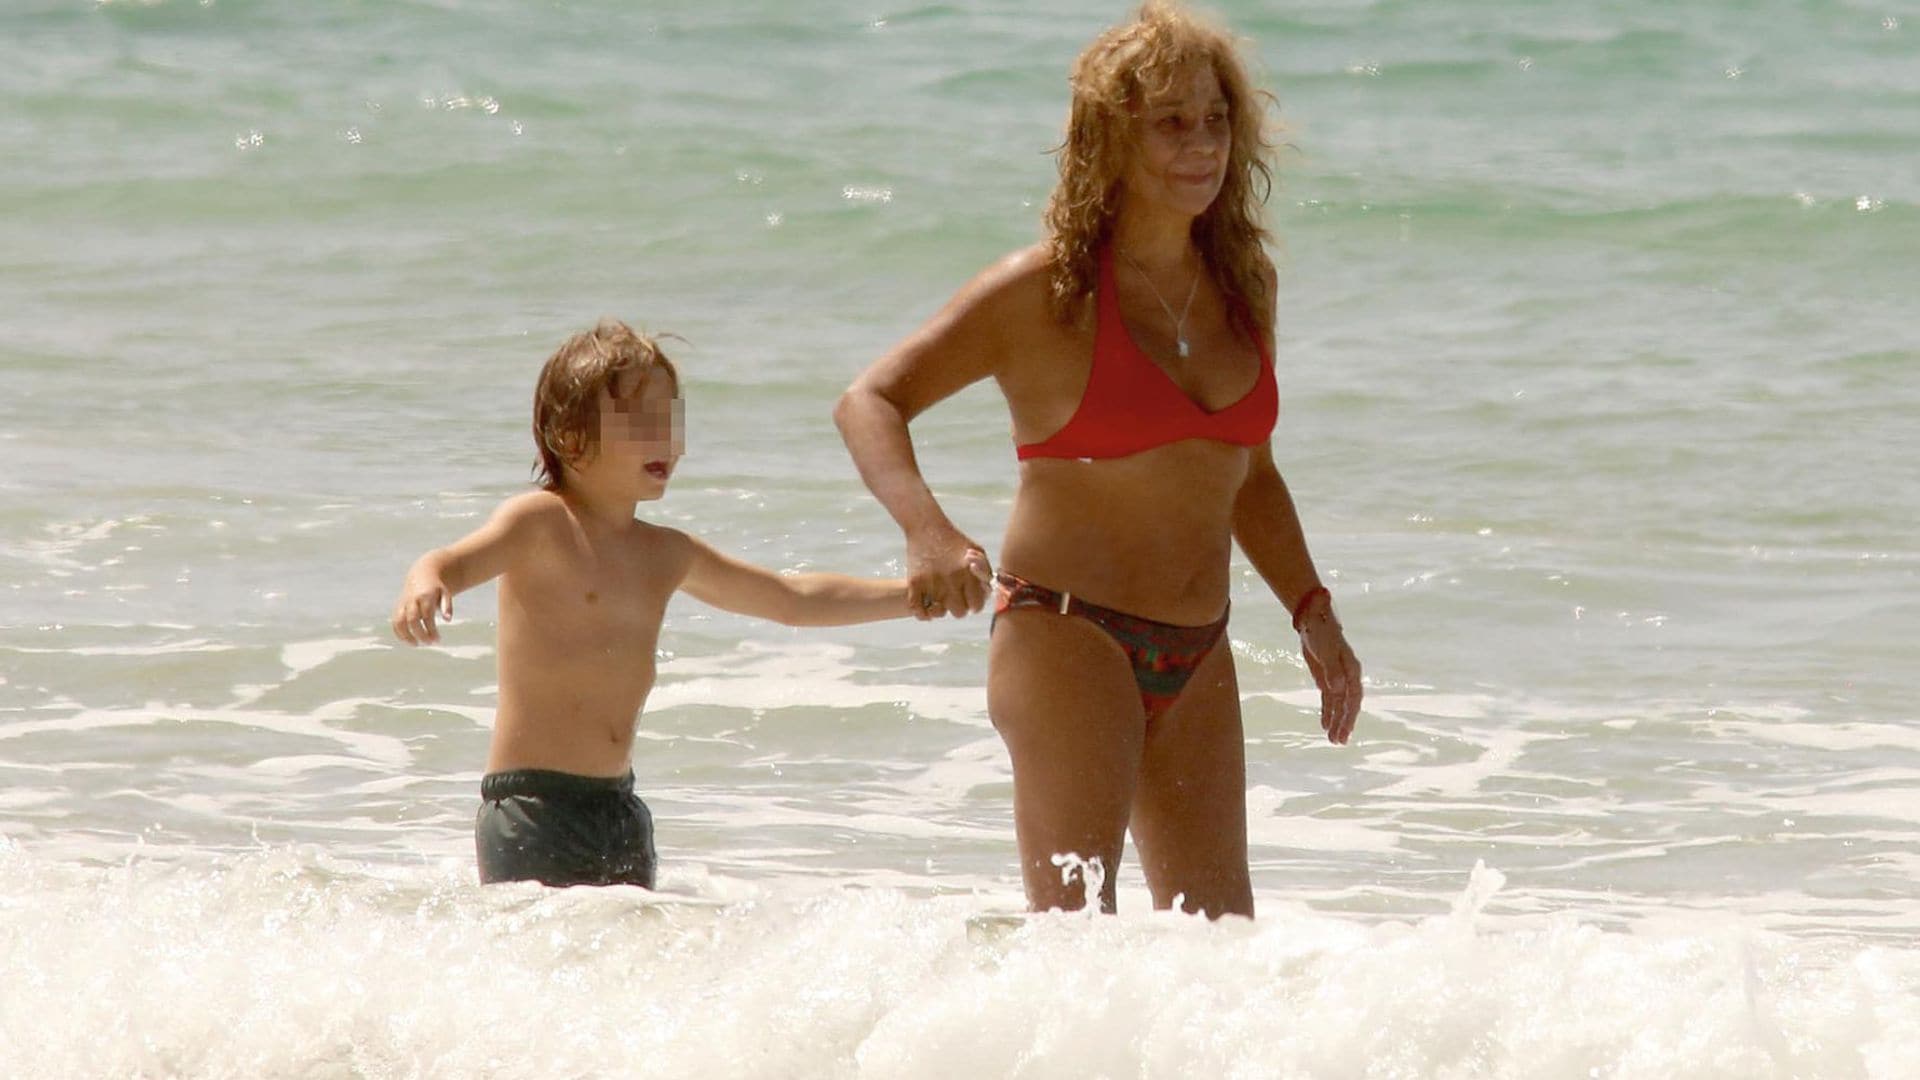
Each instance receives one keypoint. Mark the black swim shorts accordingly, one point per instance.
(561, 829)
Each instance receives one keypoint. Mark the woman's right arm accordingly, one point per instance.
(963, 343)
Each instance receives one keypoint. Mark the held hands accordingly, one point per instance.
(946, 575)
(422, 596)
(1337, 671)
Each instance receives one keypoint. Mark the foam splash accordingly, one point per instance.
(1090, 872)
(288, 962)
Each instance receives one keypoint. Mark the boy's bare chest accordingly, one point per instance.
(610, 596)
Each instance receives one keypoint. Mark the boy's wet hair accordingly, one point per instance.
(566, 400)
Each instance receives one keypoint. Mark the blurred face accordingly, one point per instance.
(1182, 141)
(642, 431)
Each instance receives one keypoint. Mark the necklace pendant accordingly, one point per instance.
(1182, 344)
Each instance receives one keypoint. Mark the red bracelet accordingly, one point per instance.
(1300, 609)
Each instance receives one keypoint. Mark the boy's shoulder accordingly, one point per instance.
(536, 508)
(665, 538)
(548, 510)
(543, 511)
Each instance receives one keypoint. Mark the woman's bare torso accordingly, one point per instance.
(1149, 533)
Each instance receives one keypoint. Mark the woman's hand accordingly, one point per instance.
(1324, 645)
(947, 574)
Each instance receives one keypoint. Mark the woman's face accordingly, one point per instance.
(1182, 143)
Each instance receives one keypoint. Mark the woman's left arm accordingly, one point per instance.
(1267, 528)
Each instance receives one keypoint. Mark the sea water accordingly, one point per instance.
(1600, 379)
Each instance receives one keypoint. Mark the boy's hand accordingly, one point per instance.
(422, 597)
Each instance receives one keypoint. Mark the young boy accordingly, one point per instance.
(583, 588)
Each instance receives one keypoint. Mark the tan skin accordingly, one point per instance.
(584, 587)
(1149, 534)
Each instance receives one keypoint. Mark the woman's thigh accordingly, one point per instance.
(1190, 801)
(1062, 696)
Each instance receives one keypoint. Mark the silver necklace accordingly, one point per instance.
(1179, 324)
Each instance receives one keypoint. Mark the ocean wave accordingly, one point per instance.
(286, 962)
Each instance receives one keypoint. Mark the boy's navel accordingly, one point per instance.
(592, 597)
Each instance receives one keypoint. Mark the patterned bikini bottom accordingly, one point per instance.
(1163, 655)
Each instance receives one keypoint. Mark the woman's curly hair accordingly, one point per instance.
(1113, 80)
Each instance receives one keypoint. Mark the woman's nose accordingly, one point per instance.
(1204, 138)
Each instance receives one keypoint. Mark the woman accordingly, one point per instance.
(1134, 349)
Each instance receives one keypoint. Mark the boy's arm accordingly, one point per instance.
(474, 559)
(813, 599)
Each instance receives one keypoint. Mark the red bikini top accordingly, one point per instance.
(1130, 405)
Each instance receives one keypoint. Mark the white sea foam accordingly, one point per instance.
(303, 656)
(169, 648)
(286, 962)
(760, 675)
(368, 746)
(1632, 577)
